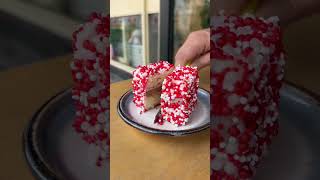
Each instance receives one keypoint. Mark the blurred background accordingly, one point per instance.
(144, 31)
(36, 30)
(35, 53)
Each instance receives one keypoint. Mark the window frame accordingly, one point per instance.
(143, 9)
(166, 31)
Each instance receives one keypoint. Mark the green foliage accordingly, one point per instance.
(205, 17)
(115, 36)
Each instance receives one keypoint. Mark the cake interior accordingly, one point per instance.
(152, 98)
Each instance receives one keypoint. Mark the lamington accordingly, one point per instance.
(90, 73)
(247, 70)
(179, 95)
(146, 83)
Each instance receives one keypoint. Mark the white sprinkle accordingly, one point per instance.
(217, 164)
(101, 118)
(243, 100)
(235, 119)
(273, 19)
(245, 44)
(254, 109)
(233, 100)
(73, 66)
(236, 157)
(213, 81)
(232, 140)
(229, 168)
(239, 43)
(252, 163)
(78, 75)
(242, 159)
(93, 92)
(232, 147)
(91, 131)
(222, 145)
(97, 127)
(214, 151)
(265, 50)
(75, 97)
(78, 113)
(84, 126)
(247, 108)
(93, 77)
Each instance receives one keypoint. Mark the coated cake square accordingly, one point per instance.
(90, 73)
(147, 81)
(247, 69)
(179, 95)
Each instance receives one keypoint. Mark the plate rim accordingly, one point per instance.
(307, 92)
(34, 159)
(158, 131)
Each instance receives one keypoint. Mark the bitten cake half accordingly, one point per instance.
(179, 95)
(147, 81)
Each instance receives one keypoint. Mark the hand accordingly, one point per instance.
(287, 10)
(195, 50)
(229, 6)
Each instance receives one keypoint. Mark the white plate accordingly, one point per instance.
(199, 120)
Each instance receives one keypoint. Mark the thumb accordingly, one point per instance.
(196, 45)
(229, 6)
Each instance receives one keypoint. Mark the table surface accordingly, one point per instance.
(24, 89)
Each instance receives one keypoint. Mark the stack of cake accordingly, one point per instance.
(247, 69)
(146, 84)
(90, 72)
(174, 88)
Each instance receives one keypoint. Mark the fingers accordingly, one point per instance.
(197, 44)
(284, 9)
(202, 61)
(288, 10)
(229, 6)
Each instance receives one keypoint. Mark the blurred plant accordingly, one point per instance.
(204, 13)
(115, 36)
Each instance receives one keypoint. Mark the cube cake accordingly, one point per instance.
(90, 72)
(247, 69)
(146, 83)
(179, 95)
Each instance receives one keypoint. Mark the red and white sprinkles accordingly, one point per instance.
(90, 72)
(141, 76)
(246, 74)
(179, 95)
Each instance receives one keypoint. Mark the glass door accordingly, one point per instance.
(189, 15)
(134, 29)
(178, 19)
(142, 31)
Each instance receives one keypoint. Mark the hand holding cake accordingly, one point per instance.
(195, 50)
